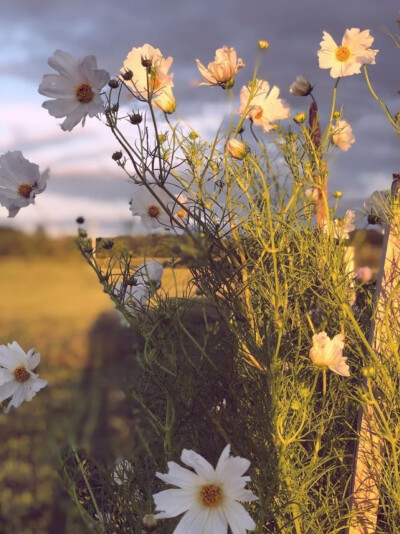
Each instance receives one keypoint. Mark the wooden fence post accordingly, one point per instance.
(369, 449)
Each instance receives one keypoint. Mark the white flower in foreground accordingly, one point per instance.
(327, 352)
(17, 379)
(145, 282)
(20, 182)
(342, 135)
(348, 58)
(265, 106)
(342, 227)
(152, 208)
(223, 69)
(209, 496)
(149, 71)
(76, 89)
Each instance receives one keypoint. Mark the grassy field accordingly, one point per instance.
(51, 305)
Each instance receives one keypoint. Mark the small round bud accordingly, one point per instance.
(229, 84)
(304, 392)
(135, 118)
(275, 127)
(146, 63)
(337, 114)
(301, 87)
(237, 149)
(115, 108)
(295, 405)
(162, 138)
(368, 372)
(193, 135)
(300, 118)
(127, 75)
(113, 83)
(80, 220)
(98, 239)
(108, 244)
(337, 194)
(117, 155)
(279, 324)
(263, 45)
(149, 522)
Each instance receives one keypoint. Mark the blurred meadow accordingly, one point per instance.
(51, 301)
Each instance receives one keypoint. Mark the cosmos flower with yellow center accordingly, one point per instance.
(348, 58)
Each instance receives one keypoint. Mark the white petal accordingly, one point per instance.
(65, 64)
(193, 522)
(56, 86)
(8, 389)
(73, 119)
(217, 523)
(61, 107)
(17, 398)
(33, 359)
(238, 519)
(203, 468)
(179, 476)
(173, 502)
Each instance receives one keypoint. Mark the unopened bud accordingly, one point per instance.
(337, 114)
(146, 63)
(301, 87)
(149, 522)
(369, 372)
(295, 405)
(113, 83)
(117, 155)
(337, 194)
(263, 45)
(304, 392)
(193, 135)
(228, 84)
(80, 220)
(300, 118)
(127, 75)
(237, 149)
(135, 118)
(108, 244)
(162, 138)
(275, 127)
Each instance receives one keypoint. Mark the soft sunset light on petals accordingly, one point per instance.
(208, 497)
(76, 89)
(342, 135)
(149, 69)
(327, 352)
(223, 69)
(165, 101)
(348, 58)
(265, 107)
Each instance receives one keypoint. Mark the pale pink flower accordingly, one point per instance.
(265, 106)
(327, 352)
(223, 69)
(165, 101)
(364, 274)
(76, 89)
(342, 135)
(348, 58)
(208, 498)
(149, 71)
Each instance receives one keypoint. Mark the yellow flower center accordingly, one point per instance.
(342, 54)
(25, 190)
(153, 211)
(21, 374)
(210, 495)
(181, 213)
(84, 93)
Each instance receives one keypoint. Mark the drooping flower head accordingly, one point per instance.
(20, 181)
(265, 107)
(76, 89)
(327, 352)
(342, 135)
(149, 71)
(348, 58)
(223, 69)
(301, 86)
(165, 101)
(17, 379)
(209, 497)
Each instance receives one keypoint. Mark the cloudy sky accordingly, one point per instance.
(85, 180)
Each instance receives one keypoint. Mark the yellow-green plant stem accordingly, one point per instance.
(382, 104)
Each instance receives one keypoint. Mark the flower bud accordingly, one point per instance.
(135, 118)
(301, 87)
(146, 63)
(369, 372)
(149, 522)
(337, 114)
(263, 45)
(113, 83)
(117, 155)
(162, 138)
(300, 118)
(337, 194)
(80, 220)
(237, 149)
(193, 135)
(295, 405)
(127, 75)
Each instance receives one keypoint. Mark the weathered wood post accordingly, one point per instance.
(369, 449)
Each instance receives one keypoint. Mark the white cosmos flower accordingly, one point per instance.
(150, 208)
(342, 135)
(348, 58)
(209, 496)
(17, 379)
(223, 69)
(146, 281)
(327, 352)
(76, 89)
(265, 106)
(20, 182)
